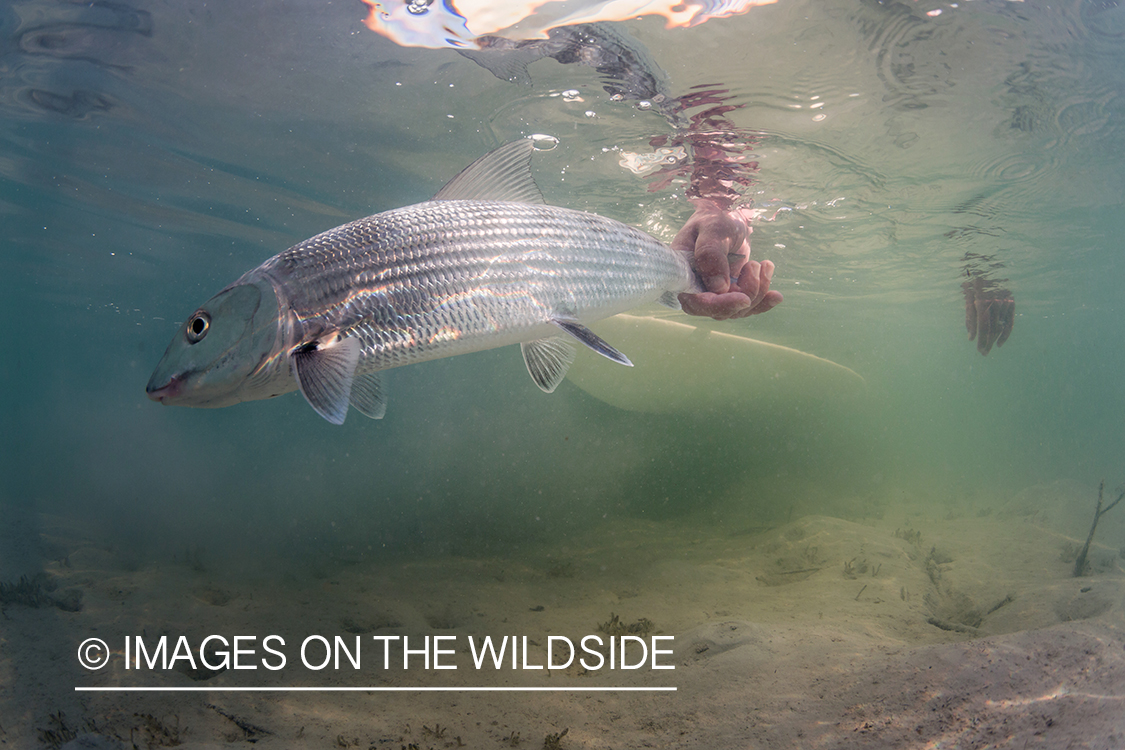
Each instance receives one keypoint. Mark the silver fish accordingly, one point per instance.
(482, 265)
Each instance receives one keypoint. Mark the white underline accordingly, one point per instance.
(368, 689)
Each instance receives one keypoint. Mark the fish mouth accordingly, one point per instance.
(169, 390)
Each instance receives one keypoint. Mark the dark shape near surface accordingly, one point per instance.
(627, 69)
(77, 105)
(990, 309)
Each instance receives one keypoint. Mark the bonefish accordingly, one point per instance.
(484, 264)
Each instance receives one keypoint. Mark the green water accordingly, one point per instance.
(152, 153)
(224, 138)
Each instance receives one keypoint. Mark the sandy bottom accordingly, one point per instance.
(966, 630)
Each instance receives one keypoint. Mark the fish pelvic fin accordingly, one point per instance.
(503, 174)
(670, 299)
(548, 360)
(591, 339)
(325, 372)
(368, 397)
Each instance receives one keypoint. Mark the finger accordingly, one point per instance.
(684, 241)
(751, 281)
(762, 299)
(712, 244)
(755, 279)
(771, 300)
(716, 306)
(738, 258)
(765, 278)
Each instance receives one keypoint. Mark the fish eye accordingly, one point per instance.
(197, 327)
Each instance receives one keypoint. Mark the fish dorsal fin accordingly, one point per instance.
(591, 339)
(367, 395)
(500, 175)
(325, 372)
(548, 360)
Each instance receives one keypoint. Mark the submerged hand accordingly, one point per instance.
(990, 313)
(735, 286)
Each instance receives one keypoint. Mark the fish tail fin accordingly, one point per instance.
(507, 65)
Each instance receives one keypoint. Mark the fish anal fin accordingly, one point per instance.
(548, 360)
(325, 371)
(592, 340)
(367, 395)
(503, 174)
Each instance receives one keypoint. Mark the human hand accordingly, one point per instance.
(734, 286)
(990, 313)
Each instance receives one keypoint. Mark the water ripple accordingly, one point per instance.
(1105, 18)
(61, 54)
(1031, 167)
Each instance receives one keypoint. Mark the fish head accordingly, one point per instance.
(226, 351)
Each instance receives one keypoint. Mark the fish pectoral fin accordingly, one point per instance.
(591, 339)
(367, 395)
(503, 174)
(548, 360)
(325, 372)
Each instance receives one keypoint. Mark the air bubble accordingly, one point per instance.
(542, 142)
